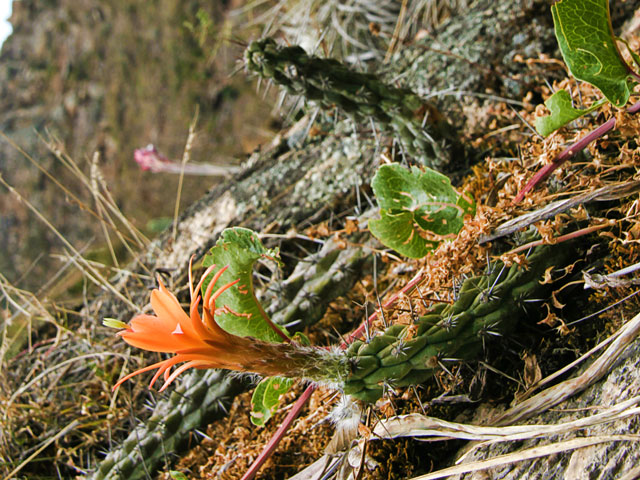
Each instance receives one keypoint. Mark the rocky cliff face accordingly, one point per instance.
(108, 77)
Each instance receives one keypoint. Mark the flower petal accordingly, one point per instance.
(167, 307)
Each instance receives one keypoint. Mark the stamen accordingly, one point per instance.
(196, 320)
(193, 308)
(212, 284)
(204, 276)
(190, 271)
(166, 367)
(210, 322)
(212, 302)
(179, 370)
(137, 372)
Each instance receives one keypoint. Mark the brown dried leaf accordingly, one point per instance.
(548, 278)
(351, 226)
(532, 373)
(555, 301)
(551, 319)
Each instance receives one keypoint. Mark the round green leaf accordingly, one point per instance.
(266, 398)
(416, 208)
(240, 248)
(562, 112)
(589, 48)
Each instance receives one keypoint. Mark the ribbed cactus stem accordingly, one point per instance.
(489, 304)
(422, 130)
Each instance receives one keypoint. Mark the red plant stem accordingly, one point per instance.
(302, 400)
(571, 152)
(282, 429)
(563, 238)
(635, 108)
(362, 328)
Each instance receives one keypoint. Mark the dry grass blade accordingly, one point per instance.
(51, 369)
(321, 468)
(568, 367)
(27, 307)
(70, 260)
(608, 192)
(417, 425)
(44, 445)
(102, 282)
(106, 210)
(527, 454)
(556, 394)
(101, 194)
(396, 32)
(353, 30)
(186, 156)
(72, 167)
(95, 177)
(634, 473)
(56, 381)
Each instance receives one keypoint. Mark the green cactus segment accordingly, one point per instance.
(203, 396)
(486, 304)
(361, 95)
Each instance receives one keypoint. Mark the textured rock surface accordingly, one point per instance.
(603, 461)
(109, 78)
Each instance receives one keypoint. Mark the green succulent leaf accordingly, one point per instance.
(266, 398)
(417, 209)
(562, 112)
(240, 248)
(176, 475)
(588, 46)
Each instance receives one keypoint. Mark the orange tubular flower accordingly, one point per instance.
(202, 343)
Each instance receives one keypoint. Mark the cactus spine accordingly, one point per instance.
(361, 95)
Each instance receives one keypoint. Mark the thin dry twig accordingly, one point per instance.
(185, 159)
(527, 454)
(606, 193)
(430, 428)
